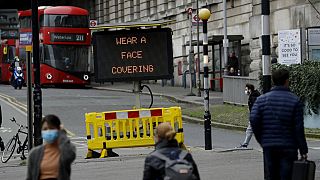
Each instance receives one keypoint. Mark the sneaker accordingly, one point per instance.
(243, 146)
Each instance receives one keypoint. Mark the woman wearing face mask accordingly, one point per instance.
(52, 160)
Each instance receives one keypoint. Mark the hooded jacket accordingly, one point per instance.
(154, 168)
(67, 156)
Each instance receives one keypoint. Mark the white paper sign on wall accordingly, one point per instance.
(289, 47)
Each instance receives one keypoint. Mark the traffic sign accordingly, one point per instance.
(196, 18)
(9, 17)
(25, 38)
(189, 10)
(195, 23)
(9, 24)
(93, 23)
(9, 33)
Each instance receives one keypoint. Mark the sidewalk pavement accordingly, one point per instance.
(179, 94)
(212, 165)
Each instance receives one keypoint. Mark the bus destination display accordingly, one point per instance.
(63, 37)
(134, 55)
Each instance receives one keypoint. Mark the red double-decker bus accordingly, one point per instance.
(64, 44)
(7, 53)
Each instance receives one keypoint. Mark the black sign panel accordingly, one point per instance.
(64, 37)
(9, 33)
(134, 55)
(9, 17)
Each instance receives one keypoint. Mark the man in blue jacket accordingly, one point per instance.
(277, 123)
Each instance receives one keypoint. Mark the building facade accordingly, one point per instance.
(243, 19)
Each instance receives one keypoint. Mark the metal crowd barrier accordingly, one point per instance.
(129, 128)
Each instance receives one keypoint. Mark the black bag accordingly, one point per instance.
(177, 169)
(303, 170)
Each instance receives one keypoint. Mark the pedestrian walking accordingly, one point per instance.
(253, 95)
(277, 123)
(52, 160)
(167, 157)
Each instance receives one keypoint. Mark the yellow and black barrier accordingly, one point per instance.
(129, 128)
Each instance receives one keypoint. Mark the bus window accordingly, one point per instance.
(71, 21)
(25, 21)
(41, 53)
(41, 19)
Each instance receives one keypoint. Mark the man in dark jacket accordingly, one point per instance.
(277, 123)
(253, 94)
(154, 168)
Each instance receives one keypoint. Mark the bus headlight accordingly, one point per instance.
(85, 77)
(49, 76)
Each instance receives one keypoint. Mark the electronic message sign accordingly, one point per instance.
(9, 24)
(133, 55)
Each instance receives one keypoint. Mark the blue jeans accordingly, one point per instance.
(279, 162)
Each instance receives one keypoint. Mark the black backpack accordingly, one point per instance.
(177, 169)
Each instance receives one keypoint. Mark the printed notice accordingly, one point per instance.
(289, 47)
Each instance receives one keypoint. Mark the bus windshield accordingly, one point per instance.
(67, 58)
(25, 21)
(68, 21)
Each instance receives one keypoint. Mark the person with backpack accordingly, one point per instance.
(168, 161)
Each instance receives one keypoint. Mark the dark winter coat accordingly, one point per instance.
(154, 168)
(252, 98)
(277, 120)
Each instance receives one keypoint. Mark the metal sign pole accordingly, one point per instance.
(29, 99)
(37, 97)
(191, 53)
(225, 39)
(137, 90)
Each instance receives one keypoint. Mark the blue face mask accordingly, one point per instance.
(50, 136)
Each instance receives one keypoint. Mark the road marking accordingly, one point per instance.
(315, 148)
(79, 142)
(78, 138)
(22, 108)
(3, 129)
(12, 102)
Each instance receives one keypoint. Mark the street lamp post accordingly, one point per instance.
(191, 53)
(204, 15)
(198, 54)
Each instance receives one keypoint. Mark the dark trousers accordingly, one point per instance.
(279, 162)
